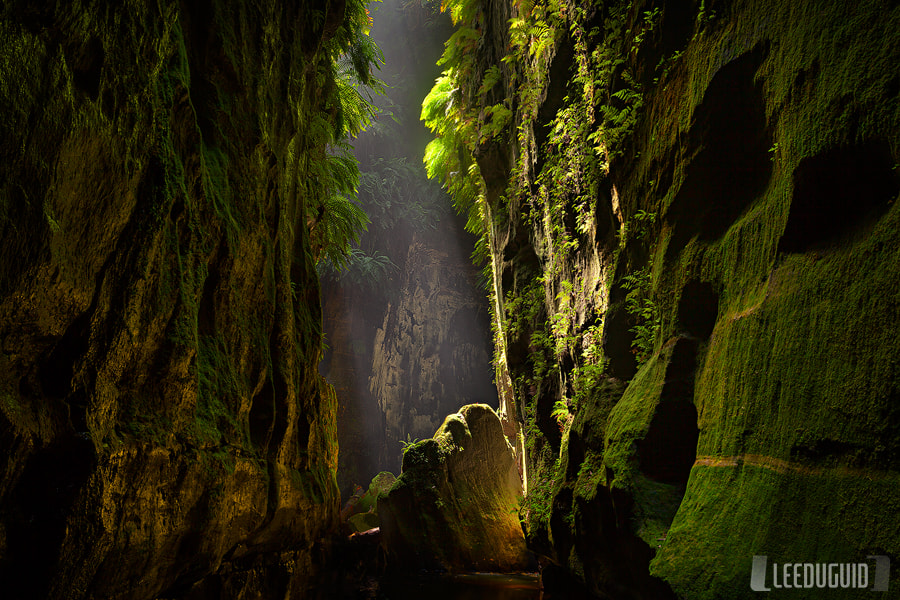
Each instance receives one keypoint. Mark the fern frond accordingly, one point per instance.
(340, 225)
(491, 77)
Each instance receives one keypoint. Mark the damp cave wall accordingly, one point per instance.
(693, 227)
(163, 426)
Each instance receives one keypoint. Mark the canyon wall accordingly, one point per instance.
(163, 426)
(431, 353)
(407, 323)
(693, 229)
(403, 357)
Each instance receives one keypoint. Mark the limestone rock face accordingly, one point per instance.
(431, 353)
(400, 363)
(695, 234)
(163, 428)
(455, 504)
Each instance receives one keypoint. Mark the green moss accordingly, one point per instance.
(537, 505)
(655, 506)
(454, 505)
(379, 486)
(422, 455)
(829, 516)
(317, 483)
(630, 419)
(364, 521)
(800, 368)
(218, 189)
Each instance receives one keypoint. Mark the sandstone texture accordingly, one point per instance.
(163, 428)
(402, 361)
(454, 506)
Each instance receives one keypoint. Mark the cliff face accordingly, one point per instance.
(400, 362)
(408, 337)
(431, 353)
(163, 427)
(692, 219)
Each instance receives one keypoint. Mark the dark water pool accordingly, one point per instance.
(470, 586)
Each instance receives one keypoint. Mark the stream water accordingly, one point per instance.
(470, 586)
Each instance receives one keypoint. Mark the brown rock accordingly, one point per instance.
(161, 418)
(455, 506)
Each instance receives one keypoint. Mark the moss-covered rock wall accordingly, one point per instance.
(691, 217)
(164, 430)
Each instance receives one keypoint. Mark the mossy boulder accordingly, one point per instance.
(363, 521)
(455, 504)
(381, 484)
(363, 513)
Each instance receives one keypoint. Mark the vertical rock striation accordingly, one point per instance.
(431, 352)
(401, 359)
(164, 430)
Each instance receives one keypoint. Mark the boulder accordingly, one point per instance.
(362, 515)
(455, 504)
